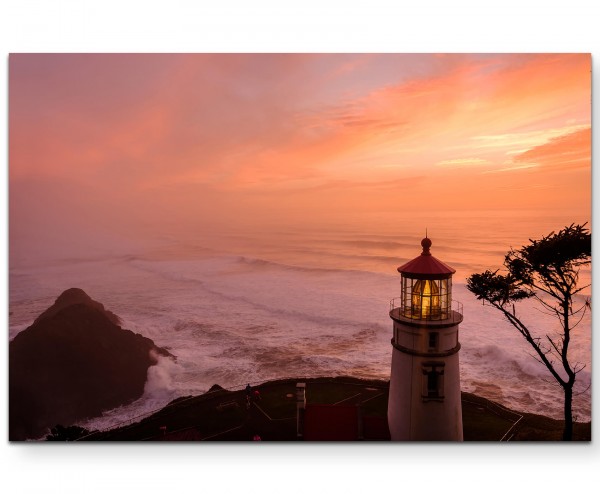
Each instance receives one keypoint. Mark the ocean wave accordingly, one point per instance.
(260, 264)
(302, 310)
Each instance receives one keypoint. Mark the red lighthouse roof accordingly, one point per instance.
(426, 266)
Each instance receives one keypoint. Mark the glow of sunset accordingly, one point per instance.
(150, 142)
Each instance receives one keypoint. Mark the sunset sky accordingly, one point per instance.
(131, 143)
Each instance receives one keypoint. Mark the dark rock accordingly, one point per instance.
(72, 433)
(73, 363)
(74, 296)
(215, 387)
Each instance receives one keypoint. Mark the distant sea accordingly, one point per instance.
(247, 306)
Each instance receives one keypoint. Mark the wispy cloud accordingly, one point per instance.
(514, 168)
(233, 135)
(565, 152)
(459, 162)
(528, 139)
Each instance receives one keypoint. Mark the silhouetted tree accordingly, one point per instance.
(547, 270)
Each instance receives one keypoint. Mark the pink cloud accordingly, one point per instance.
(566, 152)
(165, 138)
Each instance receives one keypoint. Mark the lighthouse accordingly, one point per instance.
(424, 397)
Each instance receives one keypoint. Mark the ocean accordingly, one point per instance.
(246, 306)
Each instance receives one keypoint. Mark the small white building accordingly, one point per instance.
(424, 397)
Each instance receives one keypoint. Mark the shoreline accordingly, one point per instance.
(218, 409)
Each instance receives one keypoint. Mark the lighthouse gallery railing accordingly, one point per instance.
(454, 315)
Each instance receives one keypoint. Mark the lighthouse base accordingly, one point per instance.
(424, 398)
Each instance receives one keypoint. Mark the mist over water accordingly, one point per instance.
(253, 305)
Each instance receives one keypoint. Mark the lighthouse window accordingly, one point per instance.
(433, 341)
(433, 381)
(432, 384)
(426, 299)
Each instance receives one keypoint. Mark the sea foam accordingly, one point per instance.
(305, 310)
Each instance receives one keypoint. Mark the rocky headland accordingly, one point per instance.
(74, 362)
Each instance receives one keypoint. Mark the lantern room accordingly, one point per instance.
(426, 287)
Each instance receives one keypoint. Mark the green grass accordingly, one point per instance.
(376, 406)
(481, 425)
(275, 402)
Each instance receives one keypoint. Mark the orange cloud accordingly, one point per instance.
(566, 152)
(458, 162)
(178, 138)
(487, 109)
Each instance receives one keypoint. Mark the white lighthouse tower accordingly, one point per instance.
(424, 401)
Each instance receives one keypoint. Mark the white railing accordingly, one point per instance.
(452, 314)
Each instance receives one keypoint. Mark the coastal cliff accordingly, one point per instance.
(74, 362)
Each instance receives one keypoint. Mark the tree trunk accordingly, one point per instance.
(568, 431)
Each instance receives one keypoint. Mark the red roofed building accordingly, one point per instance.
(332, 423)
(339, 422)
(343, 423)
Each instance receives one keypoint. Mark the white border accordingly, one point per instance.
(279, 26)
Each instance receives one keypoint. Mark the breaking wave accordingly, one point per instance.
(318, 308)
